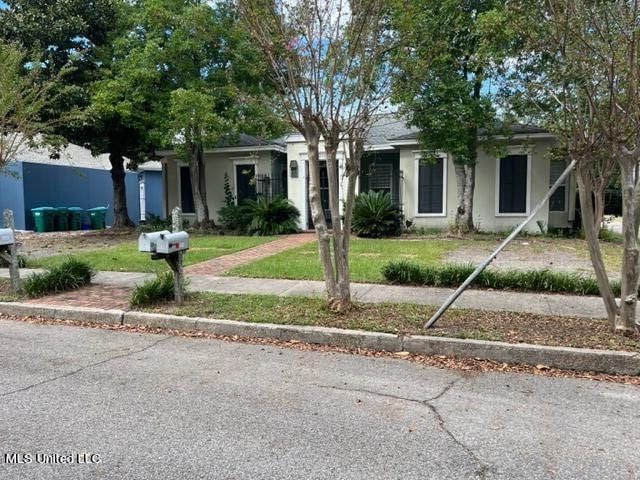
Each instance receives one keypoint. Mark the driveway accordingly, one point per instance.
(153, 406)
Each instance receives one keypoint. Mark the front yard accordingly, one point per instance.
(125, 256)
(367, 257)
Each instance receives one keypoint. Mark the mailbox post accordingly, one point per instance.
(9, 249)
(170, 247)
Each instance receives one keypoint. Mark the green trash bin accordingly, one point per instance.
(97, 217)
(43, 218)
(61, 221)
(75, 218)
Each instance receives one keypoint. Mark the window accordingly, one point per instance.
(186, 193)
(431, 187)
(245, 182)
(557, 202)
(380, 177)
(513, 184)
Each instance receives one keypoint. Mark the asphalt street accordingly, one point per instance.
(94, 404)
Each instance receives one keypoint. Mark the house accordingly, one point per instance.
(252, 165)
(75, 179)
(507, 187)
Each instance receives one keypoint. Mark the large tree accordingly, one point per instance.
(328, 61)
(442, 82)
(79, 34)
(206, 80)
(580, 68)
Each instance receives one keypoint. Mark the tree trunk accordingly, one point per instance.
(118, 175)
(465, 188)
(342, 301)
(199, 187)
(312, 137)
(630, 270)
(585, 189)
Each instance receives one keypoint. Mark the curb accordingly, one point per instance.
(567, 358)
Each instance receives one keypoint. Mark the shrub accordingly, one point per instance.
(272, 216)
(452, 275)
(234, 217)
(155, 223)
(153, 291)
(374, 216)
(69, 275)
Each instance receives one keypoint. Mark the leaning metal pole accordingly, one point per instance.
(506, 242)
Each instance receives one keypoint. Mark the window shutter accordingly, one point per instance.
(513, 184)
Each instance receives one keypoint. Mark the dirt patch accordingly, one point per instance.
(38, 245)
(528, 255)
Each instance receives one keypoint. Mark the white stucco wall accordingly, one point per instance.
(485, 199)
(486, 216)
(216, 165)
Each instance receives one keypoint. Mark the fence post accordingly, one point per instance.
(178, 270)
(14, 271)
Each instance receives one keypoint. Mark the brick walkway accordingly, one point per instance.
(109, 297)
(117, 297)
(220, 265)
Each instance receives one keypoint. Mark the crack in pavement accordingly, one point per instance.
(85, 367)
(483, 468)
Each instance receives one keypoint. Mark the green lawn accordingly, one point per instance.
(126, 257)
(367, 257)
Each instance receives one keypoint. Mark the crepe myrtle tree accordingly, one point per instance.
(328, 60)
(579, 68)
(24, 97)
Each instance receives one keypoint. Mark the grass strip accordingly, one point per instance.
(396, 318)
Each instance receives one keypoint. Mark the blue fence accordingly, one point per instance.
(24, 186)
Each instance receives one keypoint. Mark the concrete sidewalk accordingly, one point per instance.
(545, 304)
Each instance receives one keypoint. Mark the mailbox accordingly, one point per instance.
(172, 242)
(6, 237)
(147, 242)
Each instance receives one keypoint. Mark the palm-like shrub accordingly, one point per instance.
(275, 216)
(153, 291)
(374, 216)
(69, 275)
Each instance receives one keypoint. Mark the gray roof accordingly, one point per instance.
(516, 129)
(388, 128)
(244, 140)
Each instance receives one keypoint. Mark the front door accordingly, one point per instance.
(245, 182)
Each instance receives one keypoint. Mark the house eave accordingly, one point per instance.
(244, 149)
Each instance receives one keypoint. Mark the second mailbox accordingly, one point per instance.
(147, 242)
(6, 237)
(172, 242)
